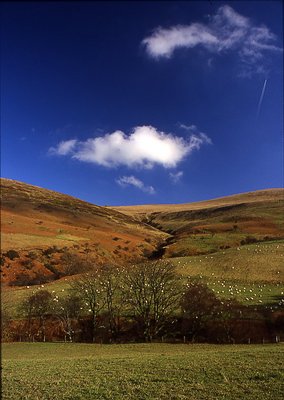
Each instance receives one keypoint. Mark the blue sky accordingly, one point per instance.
(143, 102)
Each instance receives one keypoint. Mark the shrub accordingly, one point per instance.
(32, 255)
(28, 264)
(23, 279)
(12, 254)
(73, 264)
(50, 250)
(249, 240)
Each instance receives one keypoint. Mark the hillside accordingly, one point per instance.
(249, 197)
(210, 226)
(38, 225)
(234, 244)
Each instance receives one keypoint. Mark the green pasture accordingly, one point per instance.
(142, 371)
(255, 262)
(253, 274)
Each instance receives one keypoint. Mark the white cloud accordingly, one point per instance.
(64, 147)
(132, 181)
(144, 147)
(226, 30)
(176, 176)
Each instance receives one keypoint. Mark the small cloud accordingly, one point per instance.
(197, 136)
(176, 176)
(63, 148)
(210, 62)
(190, 128)
(144, 147)
(226, 31)
(125, 181)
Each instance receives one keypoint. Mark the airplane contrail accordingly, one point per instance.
(261, 98)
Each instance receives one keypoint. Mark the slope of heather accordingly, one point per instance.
(39, 224)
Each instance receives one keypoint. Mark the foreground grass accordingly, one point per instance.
(142, 371)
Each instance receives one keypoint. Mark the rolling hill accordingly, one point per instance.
(209, 226)
(234, 244)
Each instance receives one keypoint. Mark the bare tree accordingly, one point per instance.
(199, 305)
(6, 315)
(231, 310)
(111, 281)
(90, 289)
(37, 305)
(152, 292)
(67, 310)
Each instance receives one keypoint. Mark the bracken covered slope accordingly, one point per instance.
(36, 219)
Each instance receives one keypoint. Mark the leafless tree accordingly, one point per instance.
(90, 289)
(67, 310)
(37, 305)
(6, 314)
(199, 305)
(152, 291)
(111, 281)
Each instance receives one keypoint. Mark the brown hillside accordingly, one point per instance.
(43, 221)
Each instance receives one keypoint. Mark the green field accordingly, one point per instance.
(142, 371)
(253, 274)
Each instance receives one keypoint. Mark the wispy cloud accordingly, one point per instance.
(63, 148)
(226, 31)
(197, 136)
(144, 147)
(125, 181)
(176, 176)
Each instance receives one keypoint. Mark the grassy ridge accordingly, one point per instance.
(249, 197)
(140, 372)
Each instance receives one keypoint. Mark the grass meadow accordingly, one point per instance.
(142, 371)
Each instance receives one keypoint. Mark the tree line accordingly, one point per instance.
(144, 302)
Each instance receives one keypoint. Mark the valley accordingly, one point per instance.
(234, 245)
